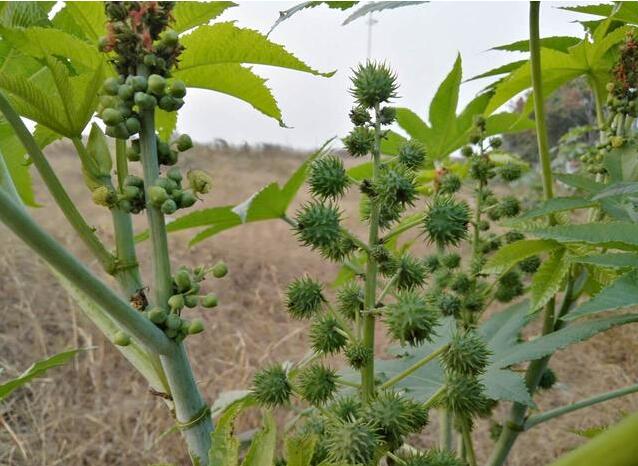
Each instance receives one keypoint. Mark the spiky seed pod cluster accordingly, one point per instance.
(446, 221)
(411, 319)
(168, 194)
(449, 183)
(304, 298)
(271, 386)
(360, 141)
(317, 384)
(350, 300)
(411, 154)
(351, 441)
(464, 396)
(432, 458)
(509, 287)
(358, 355)
(467, 354)
(395, 188)
(339, 250)
(530, 265)
(318, 224)
(328, 178)
(373, 84)
(510, 171)
(347, 407)
(326, 335)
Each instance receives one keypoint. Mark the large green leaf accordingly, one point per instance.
(511, 254)
(85, 20)
(619, 235)
(555, 205)
(38, 369)
(549, 278)
(620, 294)
(262, 448)
(560, 43)
(610, 260)
(370, 7)
(299, 450)
(287, 14)
(192, 14)
(622, 164)
(25, 14)
(443, 106)
(225, 446)
(580, 182)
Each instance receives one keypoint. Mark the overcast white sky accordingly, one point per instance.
(419, 42)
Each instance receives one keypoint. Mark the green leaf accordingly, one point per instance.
(502, 384)
(287, 14)
(503, 69)
(610, 260)
(299, 450)
(412, 124)
(165, 123)
(85, 20)
(191, 14)
(620, 294)
(262, 448)
(560, 43)
(580, 182)
(621, 188)
(37, 369)
(619, 235)
(370, 7)
(443, 106)
(511, 254)
(622, 163)
(225, 446)
(555, 205)
(25, 14)
(549, 279)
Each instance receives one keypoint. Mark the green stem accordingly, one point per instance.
(445, 429)
(6, 182)
(86, 233)
(131, 321)
(434, 399)
(370, 300)
(413, 368)
(403, 228)
(553, 413)
(468, 445)
(347, 383)
(121, 162)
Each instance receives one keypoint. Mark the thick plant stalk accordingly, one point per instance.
(190, 409)
(6, 182)
(370, 297)
(55, 187)
(131, 321)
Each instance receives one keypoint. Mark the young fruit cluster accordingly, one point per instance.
(168, 195)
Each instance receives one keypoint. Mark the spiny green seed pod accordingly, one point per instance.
(184, 142)
(210, 300)
(431, 262)
(339, 250)
(358, 355)
(530, 265)
(474, 301)
(359, 142)
(483, 225)
(395, 187)
(347, 408)
(177, 89)
(449, 183)
(451, 260)
(548, 379)
(388, 214)
(182, 279)
(304, 298)
(446, 220)
(131, 193)
(121, 339)
(509, 287)
(442, 279)
(410, 273)
(410, 319)
(169, 207)
(432, 458)
(144, 101)
(510, 172)
(271, 387)
(385, 260)
(317, 384)
(387, 115)
(359, 116)
(199, 181)
(157, 195)
(411, 154)
(220, 269)
(392, 414)
(373, 83)
(195, 327)
(176, 302)
(461, 283)
(449, 304)
(482, 169)
(325, 336)
(510, 206)
(328, 178)
(157, 315)
(156, 84)
(464, 396)
(111, 116)
(104, 196)
(351, 441)
(318, 224)
(350, 300)
(467, 354)
(132, 154)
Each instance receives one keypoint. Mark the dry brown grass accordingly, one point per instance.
(98, 411)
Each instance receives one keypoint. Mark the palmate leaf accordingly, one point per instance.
(262, 448)
(192, 14)
(511, 254)
(287, 14)
(38, 369)
(560, 43)
(85, 20)
(549, 278)
(555, 205)
(626, 12)
(617, 235)
(622, 164)
(25, 14)
(370, 7)
(620, 294)
(299, 450)
(610, 260)
(580, 182)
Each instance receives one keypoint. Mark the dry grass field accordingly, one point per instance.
(99, 412)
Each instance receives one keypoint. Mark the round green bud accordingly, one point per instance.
(304, 298)
(132, 125)
(510, 206)
(125, 92)
(121, 339)
(187, 199)
(177, 89)
(191, 301)
(317, 384)
(196, 326)
(170, 37)
(395, 187)
(157, 195)
(175, 174)
(467, 151)
(131, 193)
(125, 110)
(156, 84)
(464, 395)
(132, 180)
(446, 221)
(111, 116)
(150, 60)
(271, 387)
(111, 86)
(184, 142)
(182, 279)
(125, 205)
(449, 183)
(432, 262)
(410, 319)
(199, 181)
(109, 101)
(220, 269)
(167, 103)
(119, 131)
(373, 83)
(318, 224)
(144, 101)
(139, 83)
(451, 260)
(347, 407)
(325, 335)
(157, 315)
(510, 172)
(548, 379)
(449, 304)
(387, 115)
(210, 300)
(176, 302)
(410, 273)
(173, 321)
(104, 196)
(169, 207)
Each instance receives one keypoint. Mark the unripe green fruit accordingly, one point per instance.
(157, 195)
(171, 332)
(150, 59)
(125, 205)
(111, 86)
(220, 269)
(174, 174)
(173, 322)
(156, 84)
(170, 37)
(125, 92)
(132, 154)
(176, 302)
(131, 193)
(111, 116)
(184, 142)
(191, 301)
(169, 207)
(163, 149)
(210, 300)
(119, 131)
(132, 125)
(139, 83)
(173, 155)
(187, 199)
(121, 339)
(102, 44)
(145, 101)
(132, 180)
(196, 326)
(167, 103)
(157, 315)
(176, 195)
(183, 280)
(177, 89)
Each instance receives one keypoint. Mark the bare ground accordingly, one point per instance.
(98, 411)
